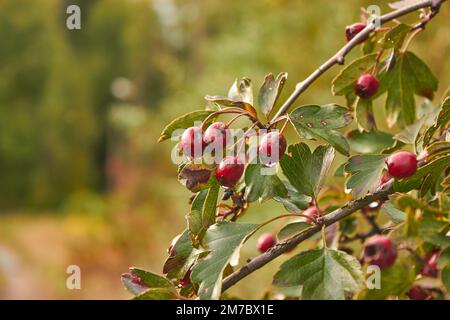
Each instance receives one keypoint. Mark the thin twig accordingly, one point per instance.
(339, 57)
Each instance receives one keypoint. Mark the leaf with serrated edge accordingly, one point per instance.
(314, 121)
(182, 256)
(324, 274)
(307, 171)
(369, 142)
(262, 187)
(366, 172)
(396, 215)
(410, 76)
(442, 120)
(395, 37)
(138, 281)
(294, 202)
(224, 241)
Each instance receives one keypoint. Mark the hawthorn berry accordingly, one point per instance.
(379, 250)
(402, 164)
(430, 269)
(352, 30)
(271, 143)
(229, 171)
(366, 86)
(265, 242)
(417, 293)
(192, 142)
(218, 133)
(311, 214)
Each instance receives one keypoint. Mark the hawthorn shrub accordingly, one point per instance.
(403, 177)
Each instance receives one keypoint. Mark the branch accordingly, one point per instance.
(339, 57)
(355, 205)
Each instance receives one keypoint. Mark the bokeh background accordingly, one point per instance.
(82, 179)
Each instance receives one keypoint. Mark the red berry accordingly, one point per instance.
(217, 133)
(366, 86)
(311, 214)
(192, 142)
(380, 251)
(402, 164)
(265, 242)
(417, 293)
(229, 171)
(430, 269)
(352, 30)
(271, 143)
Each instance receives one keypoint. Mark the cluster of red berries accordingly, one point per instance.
(230, 169)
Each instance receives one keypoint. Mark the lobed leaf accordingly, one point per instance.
(313, 121)
(366, 172)
(260, 186)
(223, 240)
(323, 274)
(307, 171)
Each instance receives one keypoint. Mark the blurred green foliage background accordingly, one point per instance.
(83, 180)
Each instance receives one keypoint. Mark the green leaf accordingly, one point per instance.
(182, 256)
(369, 142)
(324, 274)
(157, 294)
(210, 206)
(410, 133)
(269, 92)
(442, 120)
(434, 230)
(292, 229)
(445, 277)
(366, 171)
(343, 84)
(313, 121)
(183, 122)
(224, 241)
(307, 171)
(394, 281)
(260, 186)
(294, 202)
(396, 215)
(241, 91)
(395, 37)
(364, 114)
(140, 283)
(409, 76)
